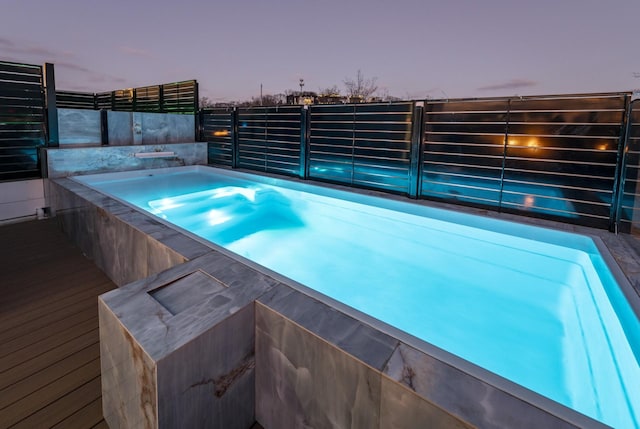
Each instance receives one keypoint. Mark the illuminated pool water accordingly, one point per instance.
(535, 306)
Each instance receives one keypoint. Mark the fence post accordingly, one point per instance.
(53, 136)
(196, 112)
(234, 138)
(199, 124)
(621, 167)
(134, 100)
(415, 154)
(304, 142)
(104, 127)
(161, 98)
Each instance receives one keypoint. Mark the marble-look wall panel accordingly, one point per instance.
(73, 161)
(106, 231)
(201, 347)
(120, 128)
(303, 381)
(72, 214)
(129, 389)
(162, 128)
(209, 382)
(83, 127)
(471, 399)
(349, 334)
(79, 127)
(402, 408)
(120, 248)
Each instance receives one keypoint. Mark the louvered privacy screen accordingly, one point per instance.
(22, 120)
(553, 157)
(178, 97)
(75, 100)
(630, 198)
(464, 151)
(367, 145)
(217, 128)
(269, 139)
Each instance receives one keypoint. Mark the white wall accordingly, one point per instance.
(19, 200)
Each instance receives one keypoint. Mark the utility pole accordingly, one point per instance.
(301, 85)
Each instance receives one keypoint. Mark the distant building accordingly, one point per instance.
(303, 98)
(308, 97)
(331, 99)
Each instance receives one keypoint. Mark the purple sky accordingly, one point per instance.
(415, 48)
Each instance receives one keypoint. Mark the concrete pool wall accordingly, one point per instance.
(251, 347)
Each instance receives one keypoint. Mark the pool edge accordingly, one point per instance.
(101, 203)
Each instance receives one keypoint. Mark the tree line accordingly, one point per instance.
(359, 88)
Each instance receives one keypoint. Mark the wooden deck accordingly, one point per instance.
(49, 343)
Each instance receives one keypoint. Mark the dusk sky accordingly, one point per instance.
(415, 48)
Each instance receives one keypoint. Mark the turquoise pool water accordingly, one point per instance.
(535, 306)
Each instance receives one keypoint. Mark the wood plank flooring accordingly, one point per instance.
(49, 343)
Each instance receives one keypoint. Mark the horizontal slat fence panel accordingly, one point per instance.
(180, 97)
(561, 157)
(217, 128)
(630, 198)
(147, 99)
(366, 145)
(552, 157)
(177, 97)
(122, 99)
(464, 151)
(22, 120)
(104, 100)
(75, 100)
(269, 139)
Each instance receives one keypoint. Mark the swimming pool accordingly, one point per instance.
(536, 306)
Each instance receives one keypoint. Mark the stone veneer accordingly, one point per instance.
(200, 339)
(83, 127)
(65, 162)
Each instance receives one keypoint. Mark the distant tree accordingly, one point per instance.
(384, 95)
(361, 87)
(206, 102)
(267, 100)
(271, 100)
(331, 90)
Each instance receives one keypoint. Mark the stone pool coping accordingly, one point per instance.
(131, 247)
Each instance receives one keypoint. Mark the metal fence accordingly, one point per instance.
(269, 139)
(366, 145)
(570, 158)
(177, 97)
(555, 157)
(218, 129)
(22, 120)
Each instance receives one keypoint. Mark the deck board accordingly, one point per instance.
(49, 342)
